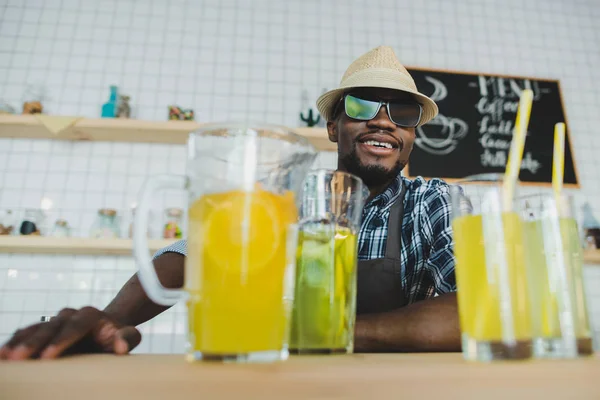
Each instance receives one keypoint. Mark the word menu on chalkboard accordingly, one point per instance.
(473, 131)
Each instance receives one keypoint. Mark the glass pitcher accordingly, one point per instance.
(242, 232)
(325, 297)
(493, 301)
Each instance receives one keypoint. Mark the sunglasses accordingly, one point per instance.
(405, 114)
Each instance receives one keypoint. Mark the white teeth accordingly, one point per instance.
(378, 144)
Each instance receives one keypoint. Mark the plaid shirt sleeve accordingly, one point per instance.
(177, 247)
(440, 263)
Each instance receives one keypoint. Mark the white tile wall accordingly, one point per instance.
(236, 59)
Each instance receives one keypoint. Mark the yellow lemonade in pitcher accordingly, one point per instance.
(478, 286)
(235, 271)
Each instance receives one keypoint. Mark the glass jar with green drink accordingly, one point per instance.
(554, 254)
(325, 293)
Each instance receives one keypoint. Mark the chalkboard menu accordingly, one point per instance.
(473, 131)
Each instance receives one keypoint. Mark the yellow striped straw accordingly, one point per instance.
(515, 156)
(558, 160)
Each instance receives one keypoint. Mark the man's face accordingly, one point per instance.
(359, 142)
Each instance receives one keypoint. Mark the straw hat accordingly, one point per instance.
(378, 68)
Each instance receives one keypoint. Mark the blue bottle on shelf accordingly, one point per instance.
(109, 109)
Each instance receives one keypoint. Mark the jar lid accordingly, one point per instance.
(109, 212)
(61, 222)
(174, 212)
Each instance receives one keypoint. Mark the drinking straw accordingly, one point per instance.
(558, 160)
(515, 156)
(499, 223)
(560, 263)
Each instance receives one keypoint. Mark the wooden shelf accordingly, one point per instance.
(51, 245)
(123, 130)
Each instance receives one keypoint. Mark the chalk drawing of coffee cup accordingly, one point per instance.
(443, 133)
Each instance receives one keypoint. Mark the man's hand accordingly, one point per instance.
(90, 330)
(425, 326)
(87, 330)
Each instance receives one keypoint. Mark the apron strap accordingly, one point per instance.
(380, 280)
(394, 237)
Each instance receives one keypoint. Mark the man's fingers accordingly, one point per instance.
(34, 343)
(76, 327)
(20, 334)
(126, 340)
(19, 346)
(71, 331)
(65, 313)
(7, 349)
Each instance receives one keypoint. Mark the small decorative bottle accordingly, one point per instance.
(7, 223)
(106, 225)
(61, 229)
(172, 228)
(124, 109)
(109, 109)
(31, 222)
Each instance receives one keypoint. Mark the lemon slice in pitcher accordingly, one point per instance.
(242, 230)
(345, 249)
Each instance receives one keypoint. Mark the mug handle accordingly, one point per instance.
(146, 272)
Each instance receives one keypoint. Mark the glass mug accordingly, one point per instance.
(493, 302)
(242, 182)
(325, 297)
(561, 327)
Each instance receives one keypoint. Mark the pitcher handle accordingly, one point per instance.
(146, 272)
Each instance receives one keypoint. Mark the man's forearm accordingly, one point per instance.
(428, 325)
(132, 306)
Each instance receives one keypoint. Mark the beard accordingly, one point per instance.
(371, 175)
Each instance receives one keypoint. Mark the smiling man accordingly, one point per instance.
(406, 284)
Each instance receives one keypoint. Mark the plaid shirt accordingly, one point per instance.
(427, 259)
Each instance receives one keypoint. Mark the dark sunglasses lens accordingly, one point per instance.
(405, 114)
(360, 109)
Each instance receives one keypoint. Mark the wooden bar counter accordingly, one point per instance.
(368, 376)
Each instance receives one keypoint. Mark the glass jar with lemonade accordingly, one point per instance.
(493, 301)
(235, 270)
(242, 183)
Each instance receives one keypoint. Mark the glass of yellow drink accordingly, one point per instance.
(494, 307)
(242, 184)
(325, 297)
(574, 259)
(561, 327)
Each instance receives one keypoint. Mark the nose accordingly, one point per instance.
(382, 121)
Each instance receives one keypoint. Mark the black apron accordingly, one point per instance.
(379, 286)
